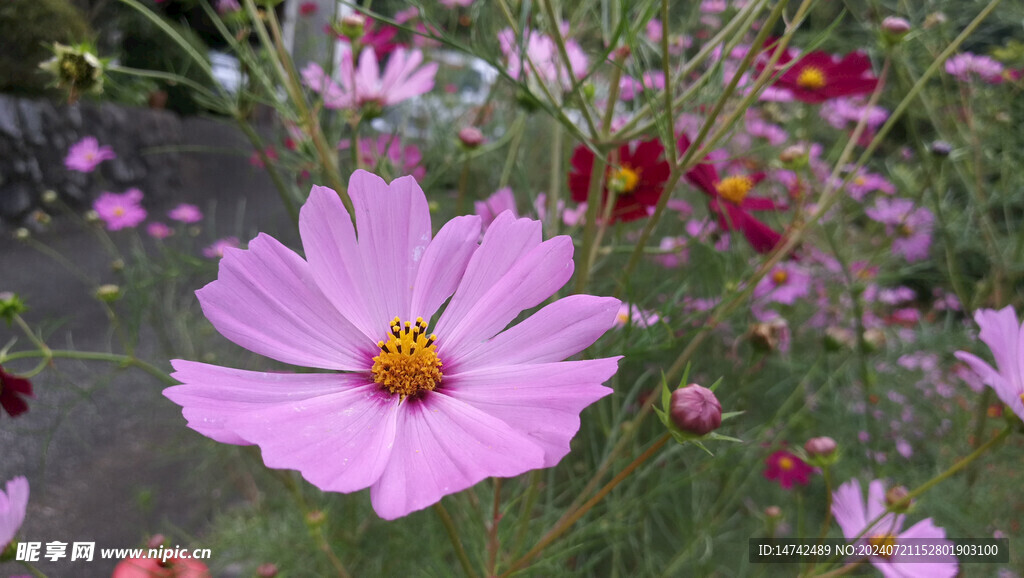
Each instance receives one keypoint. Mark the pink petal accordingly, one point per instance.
(339, 442)
(557, 331)
(265, 300)
(542, 401)
(394, 231)
(848, 508)
(444, 264)
(422, 81)
(334, 262)
(1001, 331)
(444, 446)
(531, 280)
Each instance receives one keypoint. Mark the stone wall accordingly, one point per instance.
(35, 136)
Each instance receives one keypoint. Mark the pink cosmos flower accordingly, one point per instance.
(866, 182)
(853, 517)
(1004, 336)
(376, 35)
(225, 7)
(85, 155)
(785, 284)
(217, 249)
(120, 211)
(308, 8)
(542, 60)
(13, 504)
(387, 150)
(403, 78)
(427, 402)
(629, 314)
(159, 230)
(966, 67)
(410, 13)
(455, 3)
(911, 228)
(488, 209)
(185, 213)
(787, 469)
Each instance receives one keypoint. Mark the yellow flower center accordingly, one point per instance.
(408, 362)
(734, 189)
(811, 78)
(859, 181)
(884, 542)
(785, 464)
(119, 212)
(780, 276)
(906, 230)
(622, 318)
(624, 180)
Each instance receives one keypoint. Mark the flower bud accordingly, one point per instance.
(934, 19)
(10, 305)
(821, 451)
(471, 137)
(895, 28)
(49, 196)
(773, 512)
(22, 234)
(267, 570)
(621, 53)
(76, 69)
(875, 339)
(156, 541)
(91, 216)
(315, 519)
(941, 148)
(117, 265)
(770, 336)
(108, 293)
(794, 157)
(895, 497)
(40, 217)
(352, 26)
(695, 409)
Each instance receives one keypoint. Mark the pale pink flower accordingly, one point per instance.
(412, 414)
(220, 246)
(910, 227)
(455, 3)
(629, 314)
(403, 78)
(13, 504)
(120, 211)
(786, 283)
(966, 67)
(1004, 335)
(85, 155)
(542, 58)
(185, 213)
(387, 151)
(225, 7)
(853, 516)
(502, 200)
(159, 230)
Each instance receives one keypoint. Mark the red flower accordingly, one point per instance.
(730, 202)
(638, 178)
(12, 389)
(307, 8)
(786, 468)
(154, 568)
(818, 76)
(377, 36)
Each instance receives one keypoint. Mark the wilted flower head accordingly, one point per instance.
(787, 469)
(418, 402)
(1004, 335)
(120, 211)
(85, 155)
(76, 69)
(12, 391)
(13, 504)
(695, 409)
(853, 517)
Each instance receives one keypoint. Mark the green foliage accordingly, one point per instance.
(28, 28)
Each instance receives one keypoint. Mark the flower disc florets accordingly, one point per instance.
(734, 189)
(408, 362)
(811, 78)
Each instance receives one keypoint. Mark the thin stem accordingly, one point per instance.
(124, 360)
(492, 531)
(453, 535)
(571, 517)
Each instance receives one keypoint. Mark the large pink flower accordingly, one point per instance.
(410, 412)
(853, 516)
(12, 509)
(1004, 335)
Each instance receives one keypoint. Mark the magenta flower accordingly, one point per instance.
(853, 517)
(785, 284)
(120, 211)
(159, 230)
(787, 469)
(85, 155)
(428, 403)
(1004, 336)
(966, 67)
(217, 249)
(185, 213)
(910, 227)
(13, 391)
(403, 78)
(13, 504)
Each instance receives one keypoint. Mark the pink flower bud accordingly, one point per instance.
(471, 137)
(895, 26)
(823, 447)
(695, 409)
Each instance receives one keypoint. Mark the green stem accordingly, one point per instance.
(123, 360)
(453, 535)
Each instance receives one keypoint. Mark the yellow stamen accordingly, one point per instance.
(622, 318)
(785, 464)
(884, 542)
(734, 189)
(408, 362)
(780, 276)
(906, 230)
(119, 211)
(859, 181)
(624, 180)
(811, 78)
